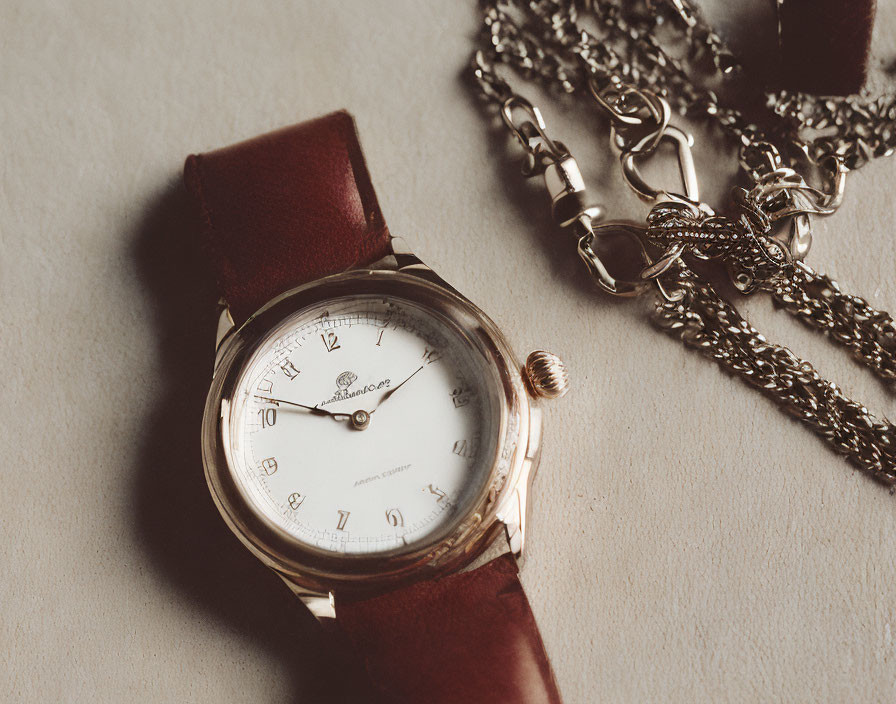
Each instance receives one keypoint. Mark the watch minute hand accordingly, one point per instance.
(392, 391)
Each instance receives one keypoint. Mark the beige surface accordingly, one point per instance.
(688, 543)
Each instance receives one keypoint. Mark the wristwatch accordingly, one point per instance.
(368, 434)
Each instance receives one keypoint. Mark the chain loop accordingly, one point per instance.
(541, 150)
(638, 118)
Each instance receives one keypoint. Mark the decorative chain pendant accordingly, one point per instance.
(744, 244)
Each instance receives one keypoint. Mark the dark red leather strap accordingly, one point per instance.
(286, 208)
(469, 638)
(825, 45)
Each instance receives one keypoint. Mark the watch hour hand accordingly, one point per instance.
(311, 409)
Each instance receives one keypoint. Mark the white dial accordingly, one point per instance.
(364, 425)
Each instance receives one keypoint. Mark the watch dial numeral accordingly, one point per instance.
(379, 338)
(394, 518)
(295, 500)
(268, 417)
(330, 340)
(462, 448)
(435, 491)
(343, 519)
(269, 465)
(431, 355)
(289, 369)
(460, 397)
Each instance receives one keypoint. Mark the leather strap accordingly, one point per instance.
(468, 637)
(825, 45)
(284, 209)
(810, 46)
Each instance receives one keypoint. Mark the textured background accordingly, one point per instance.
(688, 543)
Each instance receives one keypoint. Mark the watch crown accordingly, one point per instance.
(546, 374)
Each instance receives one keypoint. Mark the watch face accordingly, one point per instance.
(364, 425)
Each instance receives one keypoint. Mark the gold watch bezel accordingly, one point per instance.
(500, 496)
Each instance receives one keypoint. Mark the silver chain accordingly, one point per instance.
(817, 300)
(705, 321)
(614, 52)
